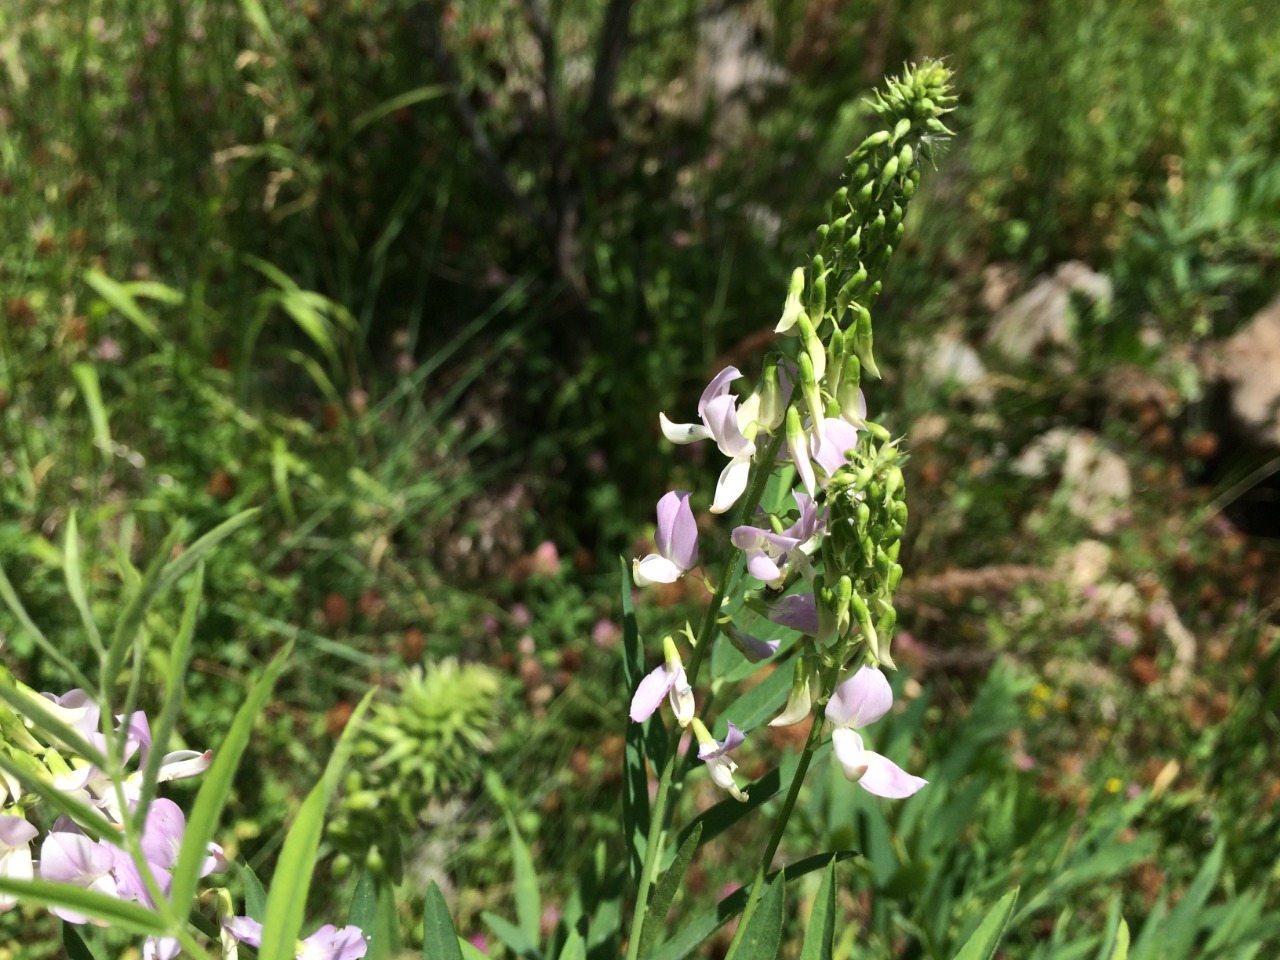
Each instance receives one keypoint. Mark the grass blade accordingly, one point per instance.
(287, 899)
(73, 572)
(207, 810)
(984, 941)
(10, 597)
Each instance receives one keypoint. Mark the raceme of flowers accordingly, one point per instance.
(779, 552)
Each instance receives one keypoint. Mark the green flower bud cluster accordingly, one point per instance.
(866, 220)
(431, 737)
(867, 515)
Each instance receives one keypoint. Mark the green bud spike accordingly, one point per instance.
(792, 309)
(809, 388)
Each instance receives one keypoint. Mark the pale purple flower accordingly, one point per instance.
(667, 681)
(861, 700)
(327, 943)
(768, 552)
(716, 756)
(16, 835)
(676, 539)
(838, 437)
(753, 648)
(722, 422)
(68, 856)
(799, 611)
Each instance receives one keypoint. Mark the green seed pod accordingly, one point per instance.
(877, 138)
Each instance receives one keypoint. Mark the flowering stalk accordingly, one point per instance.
(843, 545)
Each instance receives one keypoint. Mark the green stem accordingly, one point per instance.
(705, 638)
(779, 827)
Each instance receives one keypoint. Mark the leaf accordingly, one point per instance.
(822, 921)
(762, 701)
(762, 932)
(982, 944)
(287, 899)
(688, 938)
(664, 893)
(175, 685)
(10, 597)
(1120, 951)
(635, 782)
(255, 897)
(193, 554)
(373, 910)
(388, 107)
(119, 298)
(86, 376)
(114, 912)
(726, 813)
(73, 572)
(216, 786)
(528, 897)
(1184, 919)
(74, 944)
(512, 936)
(439, 938)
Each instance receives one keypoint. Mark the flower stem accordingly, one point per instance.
(705, 638)
(779, 827)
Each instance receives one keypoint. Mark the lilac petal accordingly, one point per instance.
(682, 432)
(798, 447)
(649, 694)
(181, 764)
(654, 569)
(162, 834)
(722, 421)
(16, 831)
(731, 485)
(751, 647)
(884, 778)
(718, 387)
(840, 436)
(862, 699)
(677, 536)
(161, 948)
(244, 929)
(330, 943)
(74, 858)
(806, 525)
(761, 566)
(799, 611)
(732, 740)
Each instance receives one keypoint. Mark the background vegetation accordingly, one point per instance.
(415, 278)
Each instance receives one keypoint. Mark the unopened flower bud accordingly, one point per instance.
(773, 408)
(799, 702)
(792, 309)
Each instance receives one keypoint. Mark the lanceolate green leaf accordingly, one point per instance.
(287, 898)
(822, 921)
(216, 786)
(984, 941)
(10, 597)
(114, 912)
(74, 944)
(666, 889)
(439, 938)
(1120, 950)
(197, 551)
(688, 938)
(762, 934)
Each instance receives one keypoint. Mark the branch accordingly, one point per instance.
(615, 36)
